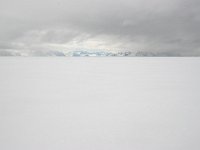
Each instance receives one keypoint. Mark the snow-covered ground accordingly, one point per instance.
(99, 103)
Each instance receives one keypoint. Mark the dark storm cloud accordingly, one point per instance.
(159, 26)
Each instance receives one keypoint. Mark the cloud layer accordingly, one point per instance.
(157, 26)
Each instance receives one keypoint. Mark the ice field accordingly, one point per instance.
(94, 103)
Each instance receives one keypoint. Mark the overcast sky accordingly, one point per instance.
(160, 26)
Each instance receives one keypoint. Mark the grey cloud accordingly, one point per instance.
(157, 26)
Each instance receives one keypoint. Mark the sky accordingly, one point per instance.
(168, 27)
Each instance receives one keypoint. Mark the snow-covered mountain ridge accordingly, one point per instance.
(85, 53)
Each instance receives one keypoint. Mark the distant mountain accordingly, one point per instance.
(9, 53)
(85, 53)
(154, 54)
(99, 54)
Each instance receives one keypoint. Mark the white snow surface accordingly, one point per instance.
(49, 103)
